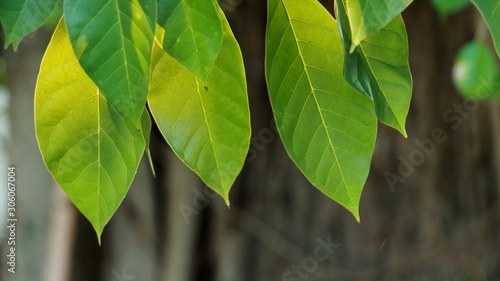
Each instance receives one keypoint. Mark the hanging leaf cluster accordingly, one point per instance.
(113, 66)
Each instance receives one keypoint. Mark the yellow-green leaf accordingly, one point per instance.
(206, 124)
(89, 146)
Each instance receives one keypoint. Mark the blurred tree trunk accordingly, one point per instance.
(33, 182)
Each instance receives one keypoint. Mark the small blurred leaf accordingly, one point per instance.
(146, 133)
(447, 7)
(54, 17)
(475, 71)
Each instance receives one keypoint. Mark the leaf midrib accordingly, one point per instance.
(98, 156)
(209, 134)
(191, 31)
(122, 39)
(316, 101)
(379, 87)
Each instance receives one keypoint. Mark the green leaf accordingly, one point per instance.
(145, 127)
(368, 16)
(193, 33)
(113, 40)
(146, 133)
(89, 146)
(447, 7)
(490, 10)
(207, 125)
(378, 68)
(328, 128)
(54, 17)
(21, 17)
(475, 71)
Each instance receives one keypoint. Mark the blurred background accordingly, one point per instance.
(429, 210)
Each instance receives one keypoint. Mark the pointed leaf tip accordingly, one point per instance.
(378, 68)
(207, 124)
(91, 149)
(327, 128)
